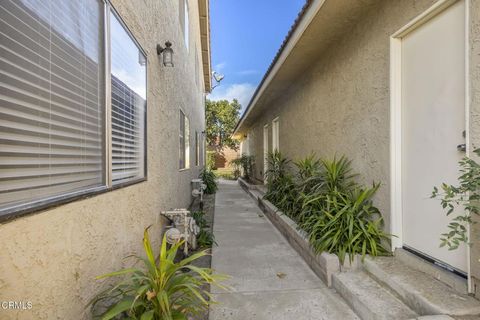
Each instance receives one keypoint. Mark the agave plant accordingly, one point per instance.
(163, 289)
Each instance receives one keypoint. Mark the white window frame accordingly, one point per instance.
(108, 91)
(265, 152)
(185, 22)
(197, 148)
(55, 200)
(275, 134)
(185, 147)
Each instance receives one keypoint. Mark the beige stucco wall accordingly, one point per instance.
(341, 104)
(52, 257)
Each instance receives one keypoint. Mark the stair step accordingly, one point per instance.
(420, 291)
(415, 262)
(368, 298)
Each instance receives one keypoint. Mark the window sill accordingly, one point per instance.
(42, 205)
(184, 169)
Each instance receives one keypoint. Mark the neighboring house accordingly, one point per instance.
(97, 136)
(393, 85)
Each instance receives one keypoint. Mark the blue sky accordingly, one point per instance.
(245, 35)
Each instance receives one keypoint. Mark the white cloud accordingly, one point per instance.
(219, 66)
(241, 91)
(247, 72)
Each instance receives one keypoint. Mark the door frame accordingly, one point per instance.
(265, 152)
(396, 226)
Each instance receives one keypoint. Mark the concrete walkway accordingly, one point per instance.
(269, 279)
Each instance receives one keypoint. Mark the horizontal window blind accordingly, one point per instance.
(51, 99)
(128, 105)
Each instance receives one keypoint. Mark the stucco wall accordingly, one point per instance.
(52, 257)
(341, 104)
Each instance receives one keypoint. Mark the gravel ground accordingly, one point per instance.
(206, 261)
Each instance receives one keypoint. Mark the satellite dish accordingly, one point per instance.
(217, 76)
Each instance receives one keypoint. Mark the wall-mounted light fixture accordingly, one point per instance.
(167, 53)
(217, 77)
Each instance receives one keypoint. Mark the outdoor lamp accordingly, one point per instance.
(167, 53)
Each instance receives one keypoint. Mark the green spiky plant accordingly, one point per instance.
(206, 239)
(245, 162)
(324, 199)
(163, 289)
(348, 223)
(209, 179)
(280, 183)
(199, 217)
(334, 175)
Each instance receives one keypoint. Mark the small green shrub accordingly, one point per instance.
(164, 289)
(245, 163)
(280, 183)
(348, 223)
(466, 195)
(208, 178)
(206, 239)
(199, 217)
(326, 202)
(211, 160)
(225, 174)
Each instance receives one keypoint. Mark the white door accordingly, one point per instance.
(433, 124)
(265, 151)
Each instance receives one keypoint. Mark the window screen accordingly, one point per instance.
(51, 99)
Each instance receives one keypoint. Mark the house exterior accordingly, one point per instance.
(98, 134)
(392, 85)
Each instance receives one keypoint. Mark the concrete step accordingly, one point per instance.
(422, 292)
(449, 278)
(369, 299)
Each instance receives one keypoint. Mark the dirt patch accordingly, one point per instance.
(206, 261)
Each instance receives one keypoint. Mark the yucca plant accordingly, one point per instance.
(281, 189)
(245, 162)
(333, 176)
(163, 289)
(209, 179)
(308, 167)
(278, 167)
(348, 223)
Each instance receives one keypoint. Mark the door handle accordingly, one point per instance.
(462, 147)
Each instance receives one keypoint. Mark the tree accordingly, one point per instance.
(222, 117)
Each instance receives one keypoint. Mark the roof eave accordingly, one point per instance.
(204, 15)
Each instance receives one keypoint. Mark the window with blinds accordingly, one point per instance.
(53, 81)
(129, 90)
(51, 100)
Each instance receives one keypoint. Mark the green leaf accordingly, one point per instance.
(148, 315)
